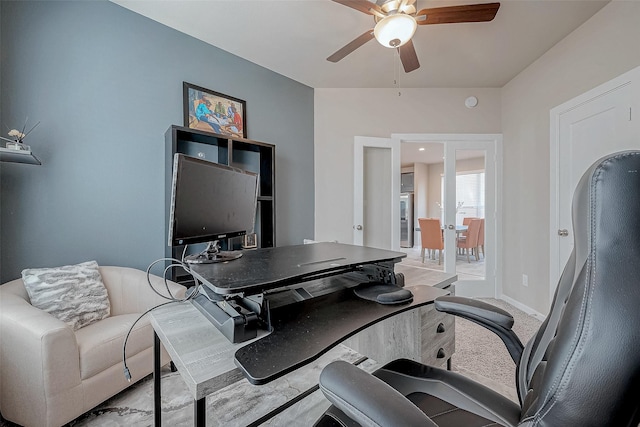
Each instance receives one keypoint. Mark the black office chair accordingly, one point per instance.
(582, 368)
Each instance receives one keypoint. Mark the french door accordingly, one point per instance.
(469, 177)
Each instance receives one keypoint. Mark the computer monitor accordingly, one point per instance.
(210, 202)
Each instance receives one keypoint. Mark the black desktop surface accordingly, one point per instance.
(269, 268)
(304, 331)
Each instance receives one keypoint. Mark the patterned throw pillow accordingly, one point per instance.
(74, 294)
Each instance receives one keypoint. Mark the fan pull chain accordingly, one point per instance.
(396, 71)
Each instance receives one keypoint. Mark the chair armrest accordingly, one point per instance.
(367, 399)
(486, 315)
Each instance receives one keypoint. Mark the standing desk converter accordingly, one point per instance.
(312, 308)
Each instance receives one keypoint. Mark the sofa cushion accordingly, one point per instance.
(74, 294)
(100, 344)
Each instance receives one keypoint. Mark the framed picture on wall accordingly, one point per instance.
(214, 112)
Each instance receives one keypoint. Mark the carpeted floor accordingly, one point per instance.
(481, 355)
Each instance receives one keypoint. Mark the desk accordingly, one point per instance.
(205, 358)
(207, 361)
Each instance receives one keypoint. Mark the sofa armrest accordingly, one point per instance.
(39, 355)
(129, 290)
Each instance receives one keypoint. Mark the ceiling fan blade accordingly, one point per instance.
(351, 46)
(409, 57)
(454, 14)
(361, 5)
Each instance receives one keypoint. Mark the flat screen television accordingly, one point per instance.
(210, 202)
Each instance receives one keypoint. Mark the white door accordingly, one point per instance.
(470, 191)
(376, 193)
(583, 130)
(468, 188)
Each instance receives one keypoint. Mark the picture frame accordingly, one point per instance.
(250, 241)
(214, 112)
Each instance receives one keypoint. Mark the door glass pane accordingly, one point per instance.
(470, 214)
(422, 168)
(454, 182)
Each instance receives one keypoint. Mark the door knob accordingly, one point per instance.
(564, 232)
(358, 227)
(451, 227)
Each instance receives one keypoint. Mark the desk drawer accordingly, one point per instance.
(438, 336)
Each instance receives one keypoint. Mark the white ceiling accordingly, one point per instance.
(294, 38)
(431, 153)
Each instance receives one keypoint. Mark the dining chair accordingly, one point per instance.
(431, 236)
(466, 220)
(471, 241)
(463, 235)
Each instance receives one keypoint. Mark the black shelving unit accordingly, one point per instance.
(254, 156)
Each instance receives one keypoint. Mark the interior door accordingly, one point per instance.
(376, 193)
(585, 129)
(467, 186)
(469, 191)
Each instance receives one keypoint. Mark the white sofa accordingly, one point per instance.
(49, 374)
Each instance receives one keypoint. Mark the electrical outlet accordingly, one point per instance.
(525, 280)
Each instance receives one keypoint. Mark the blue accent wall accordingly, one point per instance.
(105, 84)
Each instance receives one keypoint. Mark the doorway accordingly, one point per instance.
(457, 182)
(376, 189)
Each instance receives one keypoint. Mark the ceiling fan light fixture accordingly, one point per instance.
(395, 30)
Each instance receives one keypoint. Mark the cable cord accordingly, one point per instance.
(171, 298)
(175, 263)
(127, 373)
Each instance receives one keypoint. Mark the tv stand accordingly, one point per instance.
(246, 154)
(212, 254)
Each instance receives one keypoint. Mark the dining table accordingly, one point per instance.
(459, 229)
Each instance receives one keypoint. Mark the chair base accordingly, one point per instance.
(448, 398)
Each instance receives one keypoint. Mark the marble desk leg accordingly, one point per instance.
(157, 406)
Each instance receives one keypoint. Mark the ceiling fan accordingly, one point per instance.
(397, 20)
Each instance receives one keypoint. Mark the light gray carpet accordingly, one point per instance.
(481, 355)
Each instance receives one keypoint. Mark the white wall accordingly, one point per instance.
(341, 114)
(604, 47)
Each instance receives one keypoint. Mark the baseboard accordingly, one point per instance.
(524, 308)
